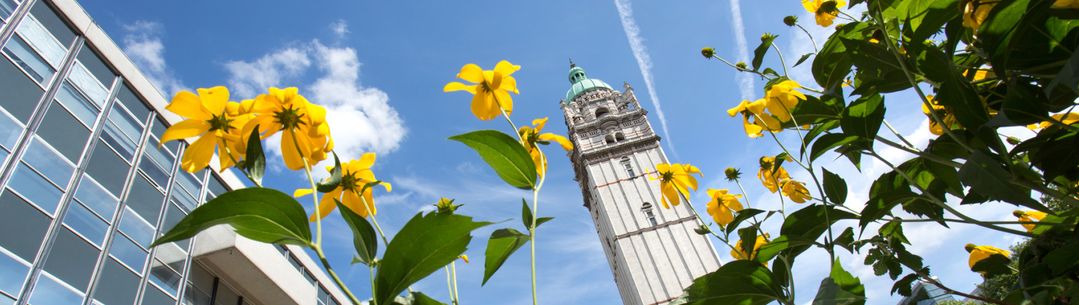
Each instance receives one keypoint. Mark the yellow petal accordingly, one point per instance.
(326, 205)
(471, 73)
(539, 123)
(484, 107)
(185, 129)
(188, 105)
(367, 160)
(566, 144)
(302, 192)
(197, 156)
(509, 83)
(503, 99)
(506, 68)
(289, 151)
(214, 99)
(456, 86)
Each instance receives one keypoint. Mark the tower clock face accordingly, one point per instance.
(653, 251)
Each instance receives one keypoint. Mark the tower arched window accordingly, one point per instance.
(646, 208)
(609, 139)
(628, 166)
(619, 137)
(602, 111)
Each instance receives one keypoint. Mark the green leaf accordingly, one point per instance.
(255, 161)
(987, 177)
(995, 264)
(802, 59)
(424, 245)
(261, 214)
(927, 17)
(740, 282)
(748, 237)
(758, 53)
(330, 183)
(739, 218)
(955, 91)
(504, 154)
(808, 223)
(835, 187)
(833, 62)
(526, 214)
(846, 239)
(502, 244)
(903, 286)
(829, 141)
(863, 118)
(541, 220)
(840, 288)
(363, 235)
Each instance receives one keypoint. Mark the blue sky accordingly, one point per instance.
(379, 66)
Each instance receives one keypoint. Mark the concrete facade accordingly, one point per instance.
(653, 252)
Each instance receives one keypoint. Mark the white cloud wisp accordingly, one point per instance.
(142, 44)
(644, 62)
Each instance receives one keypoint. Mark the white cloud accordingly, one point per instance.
(644, 62)
(339, 28)
(142, 44)
(745, 81)
(361, 118)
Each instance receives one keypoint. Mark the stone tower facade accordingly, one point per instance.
(653, 252)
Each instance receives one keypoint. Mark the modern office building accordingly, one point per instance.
(653, 251)
(85, 185)
(924, 293)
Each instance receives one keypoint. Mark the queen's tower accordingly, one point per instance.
(654, 252)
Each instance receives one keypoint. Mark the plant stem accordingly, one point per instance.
(453, 274)
(449, 285)
(336, 279)
(782, 62)
(814, 42)
(314, 192)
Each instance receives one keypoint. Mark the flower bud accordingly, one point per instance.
(790, 20)
(708, 52)
(741, 65)
(732, 174)
(446, 206)
(767, 36)
(1013, 140)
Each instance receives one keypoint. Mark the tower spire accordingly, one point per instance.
(571, 64)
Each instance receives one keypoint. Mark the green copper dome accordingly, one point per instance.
(581, 83)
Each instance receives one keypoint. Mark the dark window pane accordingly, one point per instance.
(22, 227)
(95, 197)
(122, 131)
(116, 285)
(6, 8)
(35, 188)
(71, 259)
(127, 252)
(21, 94)
(64, 133)
(145, 199)
(107, 168)
(154, 296)
(225, 295)
(133, 102)
(172, 217)
(165, 277)
(80, 219)
(46, 160)
(14, 273)
(215, 187)
(158, 130)
(48, 291)
(25, 56)
(140, 230)
(75, 102)
(51, 21)
(200, 279)
(95, 65)
(10, 129)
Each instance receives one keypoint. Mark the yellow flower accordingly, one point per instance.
(305, 132)
(490, 88)
(795, 190)
(824, 10)
(978, 74)
(979, 253)
(1029, 216)
(740, 253)
(464, 257)
(781, 98)
(723, 206)
(216, 121)
(768, 179)
(1066, 4)
(976, 11)
(355, 175)
(530, 135)
(943, 113)
(761, 120)
(675, 180)
(1062, 118)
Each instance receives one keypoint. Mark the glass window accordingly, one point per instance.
(165, 277)
(122, 131)
(137, 228)
(22, 227)
(172, 217)
(95, 197)
(46, 160)
(154, 296)
(156, 162)
(189, 182)
(6, 8)
(200, 284)
(10, 129)
(21, 94)
(145, 199)
(29, 60)
(72, 259)
(14, 274)
(80, 219)
(159, 129)
(49, 291)
(35, 35)
(215, 187)
(226, 295)
(116, 285)
(127, 252)
(75, 102)
(35, 188)
(108, 169)
(93, 63)
(89, 84)
(51, 21)
(65, 134)
(133, 103)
